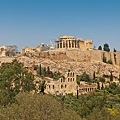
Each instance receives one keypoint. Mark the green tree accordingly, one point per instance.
(84, 77)
(113, 85)
(94, 75)
(78, 78)
(37, 107)
(104, 59)
(40, 70)
(98, 85)
(14, 79)
(102, 80)
(42, 87)
(114, 50)
(44, 72)
(111, 77)
(119, 78)
(106, 47)
(115, 58)
(110, 62)
(99, 48)
(48, 70)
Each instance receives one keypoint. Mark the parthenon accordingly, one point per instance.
(70, 42)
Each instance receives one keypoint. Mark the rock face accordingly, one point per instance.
(78, 61)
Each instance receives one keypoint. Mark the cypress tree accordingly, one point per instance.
(111, 76)
(44, 71)
(98, 85)
(40, 70)
(48, 70)
(77, 94)
(94, 76)
(102, 86)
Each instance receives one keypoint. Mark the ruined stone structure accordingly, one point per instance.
(63, 42)
(85, 87)
(68, 85)
(28, 50)
(70, 42)
(6, 60)
(63, 85)
(3, 51)
(40, 48)
(8, 51)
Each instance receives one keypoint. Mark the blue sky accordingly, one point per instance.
(31, 22)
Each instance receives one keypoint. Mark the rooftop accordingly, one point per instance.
(67, 37)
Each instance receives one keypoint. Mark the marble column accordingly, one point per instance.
(70, 44)
(62, 44)
(59, 44)
(67, 43)
(75, 43)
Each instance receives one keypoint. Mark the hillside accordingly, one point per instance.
(78, 61)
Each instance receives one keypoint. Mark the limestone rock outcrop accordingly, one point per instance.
(78, 61)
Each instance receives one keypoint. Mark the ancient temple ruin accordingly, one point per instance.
(70, 42)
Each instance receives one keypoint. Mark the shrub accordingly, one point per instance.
(110, 62)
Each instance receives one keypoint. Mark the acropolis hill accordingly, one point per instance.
(71, 56)
(75, 54)
(72, 53)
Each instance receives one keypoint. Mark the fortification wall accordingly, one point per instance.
(6, 59)
(78, 55)
(86, 56)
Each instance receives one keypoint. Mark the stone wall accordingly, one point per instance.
(82, 56)
(6, 59)
(62, 86)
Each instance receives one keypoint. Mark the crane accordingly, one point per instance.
(52, 45)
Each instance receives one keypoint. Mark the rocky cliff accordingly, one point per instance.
(76, 60)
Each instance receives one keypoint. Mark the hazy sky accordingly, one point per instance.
(31, 22)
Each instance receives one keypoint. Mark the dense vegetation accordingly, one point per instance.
(105, 48)
(37, 107)
(100, 105)
(18, 103)
(46, 72)
(14, 79)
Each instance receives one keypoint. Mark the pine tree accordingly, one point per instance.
(106, 47)
(99, 48)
